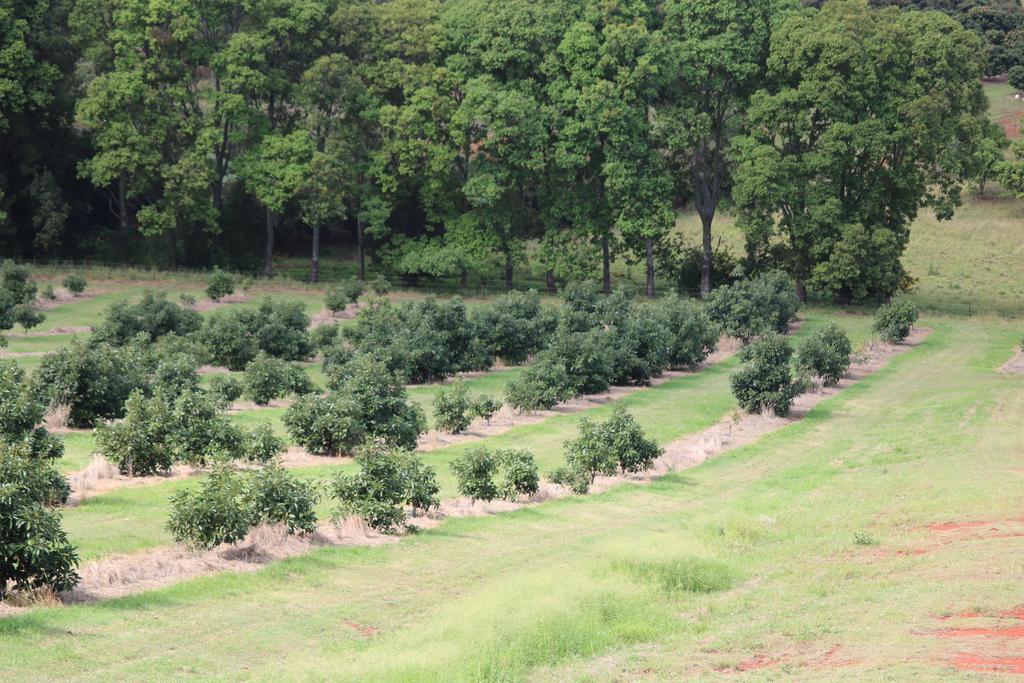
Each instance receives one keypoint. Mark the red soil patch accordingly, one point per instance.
(968, 662)
(996, 632)
(756, 662)
(363, 629)
(954, 526)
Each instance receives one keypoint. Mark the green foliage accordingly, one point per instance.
(515, 326)
(380, 490)
(325, 425)
(211, 513)
(235, 335)
(176, 373)
(483, 406)
(225, 388)
(825, 353)
(34, 549)
(94, 380)
(262, 445)
(519, 476)
(324, 337)
(152, 316)
(543, 383)
(753, 307)
(382, 405)
(894, 321)
(47, 292)
(266, 378)
(617, 444)
(421, 487)
(1015, 77)
(380, 286)
(692, 334)
(344, 293)
(140, 444)
(272, 495)
(765, 382)
(453, 408)
(474, 472)
(17, 293)
(75, 284)
(219, 284)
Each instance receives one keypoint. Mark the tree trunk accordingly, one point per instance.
(360, 229)
(268, 249)
(463, 280)
(801, 290)
(508, 271)
(122, 204)
(314, 264)
(706, 255)
(650, 268)
(172, 247)
(549, 277)
(606, 258)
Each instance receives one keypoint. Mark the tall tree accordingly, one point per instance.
(861, 126)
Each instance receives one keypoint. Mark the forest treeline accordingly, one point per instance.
(466, 136)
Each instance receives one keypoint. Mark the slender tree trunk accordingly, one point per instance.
(268, 250)
(122, 204)
(549, 277)
(801, 290)
(650, 268)
(706, 255)
(314, 264)
(360, 229)
(508, 271)
(606, 258)
(172, 247)
(463, 280)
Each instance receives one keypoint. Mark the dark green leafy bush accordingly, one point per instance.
(153, 316)
(140, 444)
(176, 373)
(47, 292)
(825, 353)
(274, 496)
(344, 293)
(519, 476)
(453, 409)
(201, 432)
(380, 490)
(382, 405)
(604, 448)
(324, 337)
(474, 472)
(235, 335)
(765, 381)
(640, 344)
(17, 294)
(692, 335)
(750, 308)
(484, 406)
(211, 513)
(588, 358)
(381, 286)
(421, 487)
(515, 326)
(325, 425)
(262, 444)
(74, 284)
(225, 389)
(894, 321)
(219, 284)
(540, 386)
(266, 378)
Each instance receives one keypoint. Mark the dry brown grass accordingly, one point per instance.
(1015, 365)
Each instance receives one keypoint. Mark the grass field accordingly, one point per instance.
(806, 554)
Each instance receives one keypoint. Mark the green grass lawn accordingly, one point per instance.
(749, 557)
(666, 412)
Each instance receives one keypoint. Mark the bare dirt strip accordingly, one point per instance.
(128, 574)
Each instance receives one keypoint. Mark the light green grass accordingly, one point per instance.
(628, 584)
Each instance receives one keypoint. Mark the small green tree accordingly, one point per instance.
(381, 286)
(540, 386)
(262, 444)
(519, 476)
(765, 381)
(605, 447)
(453, 408)
(266, 378)
(326, 425)
(474, 472)
(378, 492)
(894, 321)
(421, 487)
(272, 495)
(825, 353)
(225, 389)
(346, 292)
(140, 444)
(1015, 77)
(212, 513)
(483, 406)
(219, 284)
(75, 284)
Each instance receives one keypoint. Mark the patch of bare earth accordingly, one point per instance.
(207, 305)
(1014, 366)
(101, 476)
(992, 638)
(62, 296)
(327, 317)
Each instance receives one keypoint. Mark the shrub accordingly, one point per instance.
(344, 293)
(93, 380)
(381, 286)
(639, 343)
(421, 486)
(35, 552)
(692, 335)
(474, 472)
(515, 326)
(299, 382)
(825, 353)
(47, 292)
(74, 284)
(324, 336)
(765, 381)
(750, 308)
(266, 378)
(152, 316)
(139, 445)
(187, 300)
(262, 444)
(201, 432)
(603, 448)
(17, 294)
(274, 496)
(378, 492)
(382, 404)
(540, 386)
(588, 358)
(235, 335)
(176, 374)
(325, 425)
(1015, 77)
(894, 321)
(225, 389)
(452, 408)
(212, 513)
(219, 284)
(484, 406)
(519, 474)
